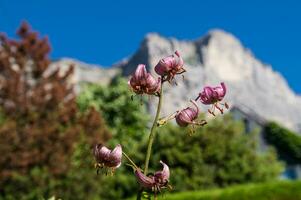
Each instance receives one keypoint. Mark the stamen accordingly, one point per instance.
(210, 112)
(164, 120)
(164, 78)
(202, 122)
(220, 109)
(169, 187)
(181, 72)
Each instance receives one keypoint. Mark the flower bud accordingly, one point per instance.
(143, 82)
(187, 115)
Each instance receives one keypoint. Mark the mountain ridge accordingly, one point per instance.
(218, 56)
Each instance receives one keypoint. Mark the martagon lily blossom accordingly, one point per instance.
(155, 182)
(214, 96)
(107, 158)
(188, 116)
(185, 117)
(143, 82)
(169, 66)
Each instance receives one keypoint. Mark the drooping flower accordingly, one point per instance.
(106, 157)
(143, 82)
(154, 182)
(184, 117)
(211, 95)
(187, 115)
(169, 66)
(214, 96)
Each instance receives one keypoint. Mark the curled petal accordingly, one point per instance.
(179, 62)
(143, 180)
(141, 74)
(153, 86)
(101, 153)
(115, 157)
(164, 174)
(206, 95)
(221, 91)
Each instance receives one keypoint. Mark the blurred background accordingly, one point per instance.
(64, 67)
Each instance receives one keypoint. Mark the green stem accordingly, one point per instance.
(151, 138)
(130, 160)
(152, 131)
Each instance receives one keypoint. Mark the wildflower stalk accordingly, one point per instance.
(151, 137)
(153, 130)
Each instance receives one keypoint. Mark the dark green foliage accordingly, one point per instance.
(218, 154)
(264, 191)
(127, 119)
(287, 143)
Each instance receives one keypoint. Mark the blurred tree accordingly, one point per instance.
(127, 118)
(219, 154)
(40, 125)
(287, 143)
(128, 122)
(27, 81)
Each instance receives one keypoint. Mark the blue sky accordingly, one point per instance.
(105, 31)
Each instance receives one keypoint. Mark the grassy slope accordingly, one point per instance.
(279, 190)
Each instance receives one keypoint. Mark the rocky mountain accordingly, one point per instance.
(218, 56)
(86, 73)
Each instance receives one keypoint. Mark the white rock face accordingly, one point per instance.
(220, 57)
(214, 58)
(85, 73)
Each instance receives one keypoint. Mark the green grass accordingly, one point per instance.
(278, 190)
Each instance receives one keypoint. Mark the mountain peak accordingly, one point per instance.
(220, 57)
(153, 36)
(222, 35)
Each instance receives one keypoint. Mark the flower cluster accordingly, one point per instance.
(143, 82)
